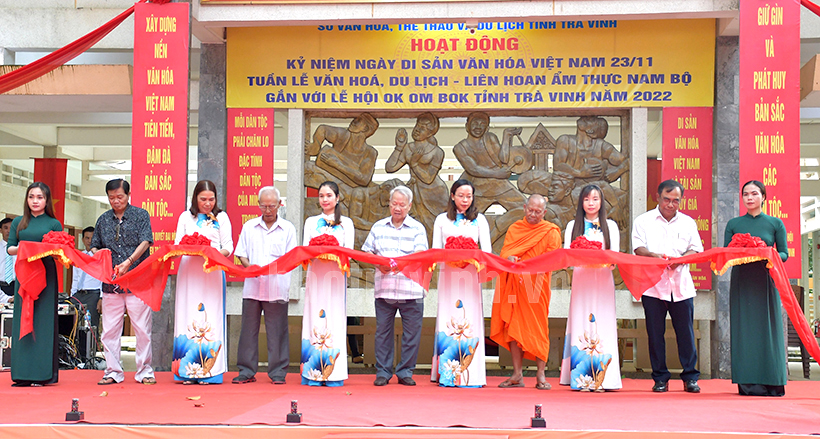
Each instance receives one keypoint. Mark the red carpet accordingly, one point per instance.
(360, 404)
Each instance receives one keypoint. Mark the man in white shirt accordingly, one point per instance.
(6, 264)
(85, 288)
(397, 235)
(665, 233)
(262, 241)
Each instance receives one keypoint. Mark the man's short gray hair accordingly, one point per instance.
(267, 189)
(404, 190)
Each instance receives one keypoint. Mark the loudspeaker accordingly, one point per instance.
(5, 338)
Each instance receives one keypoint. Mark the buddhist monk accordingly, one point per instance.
(522, 301)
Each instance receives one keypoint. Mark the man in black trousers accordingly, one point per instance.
(665, 233)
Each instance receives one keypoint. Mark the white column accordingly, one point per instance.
(815, 252)
(804, 280)
(6, 57)
(637, 162)
(296, 187)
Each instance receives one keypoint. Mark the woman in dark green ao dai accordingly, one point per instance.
(35, 360)
(758, 351)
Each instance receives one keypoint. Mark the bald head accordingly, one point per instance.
(537, 200)
(535, 209)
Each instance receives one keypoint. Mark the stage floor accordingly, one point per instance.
(718, 409)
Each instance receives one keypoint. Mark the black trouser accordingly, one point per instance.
(682, 314)
(89, 299)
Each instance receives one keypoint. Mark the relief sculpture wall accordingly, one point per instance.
(504, 172)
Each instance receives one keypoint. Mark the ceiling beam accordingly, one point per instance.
(36, 134)
(94, 136)
(102, 154)
(810, 151)
(20, 152)
(94, 188)
(810, 188)
(68, 118)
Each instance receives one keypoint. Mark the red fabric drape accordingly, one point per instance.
(811, 6)
(55, 59)
(147, 281)
(31, 273)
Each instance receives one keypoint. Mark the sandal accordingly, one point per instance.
(188, 382)
(510, 383)
(543, 385)
(149, 381)
(106, 381)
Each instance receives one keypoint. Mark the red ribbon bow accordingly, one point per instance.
(460, 243)
(324, 240)
(194, 239)
(61, 237)
(746, 240)
(583, 243)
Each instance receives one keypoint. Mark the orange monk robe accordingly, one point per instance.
(522, 301)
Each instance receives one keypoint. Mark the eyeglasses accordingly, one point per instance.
(264, 207)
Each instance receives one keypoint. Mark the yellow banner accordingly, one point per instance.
(560, 64)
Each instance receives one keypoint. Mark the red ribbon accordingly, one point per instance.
(31, 275)
(53, 60)
(147, 280)
(811, 6)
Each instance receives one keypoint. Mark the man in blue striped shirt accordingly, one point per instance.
(397, 235)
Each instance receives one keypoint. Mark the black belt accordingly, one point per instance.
(6, 284)
(88, 291)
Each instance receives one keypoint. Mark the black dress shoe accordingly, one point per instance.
(407, 381)
(691, 386)
(660, 386)
(380, 381)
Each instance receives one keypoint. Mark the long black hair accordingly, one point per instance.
(27, 210)
(337, 211)
(202, 186)
(580, 214)
(452, 211)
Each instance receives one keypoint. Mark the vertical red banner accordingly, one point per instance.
(249, 163)
(52, 172)
(687, 159)
(159, 150)
(770, 111)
